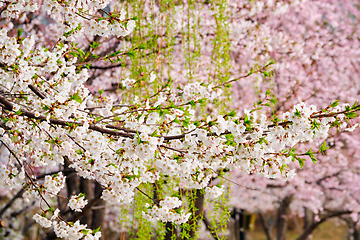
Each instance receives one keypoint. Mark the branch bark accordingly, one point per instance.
(282, 219)
(8, 205)
(86, 187)
(265, 225)
(98, 214)
(314, 225)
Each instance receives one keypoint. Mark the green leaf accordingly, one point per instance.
(142, 46)
(176, 194)
(230, 143)
(192, 103)
(91, 161)
(284, 166)
(262, 140)
(335, 103)
(273, 100)
(229, 136)
(315, 125)
(131, 54)
(323, 147)
(112, 164)
(351, 115)
(297, 113)
(212, 123)
(76, 98)
(202, 101)
(197, 123)
(311, 155)
(154, 134)
(232, 113)
(19, 32)
(18, 113)
(309, 152)
(82, 195)
(301, 161)
(355, 104)
(94, 45)
(186, 122)
(96, 230)
(81, 52)
(176, 120)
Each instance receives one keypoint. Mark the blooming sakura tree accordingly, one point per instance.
(317, 193)
(90, 104)
(327, 189)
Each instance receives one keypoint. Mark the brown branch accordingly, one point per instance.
(98, 212)
(173, 149)
(86, 187)
(106, 67)
(153, 199)
(314, 225)
(121, 128)
(54, 172)
(282, 218)
(37, 91)
(336, 113)
(265, 225)
(8, 205)
(22, 190)
(9, 106)
(244, 76)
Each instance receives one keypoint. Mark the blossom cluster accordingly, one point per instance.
(168, 211)
(14, 9)
(104, 28)
(77, 203)
(66, 230)
(43, 221)
(75, 231)
(75, 14)
(54, 184)
(214, 192)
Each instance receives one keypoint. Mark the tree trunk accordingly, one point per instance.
(197, 212)
(314, 225)
(72, 183)
(356, 233)
(282, 219)
(265, 225)
(307, 217)
(98, 213)
(86, 187)
(170, 231)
